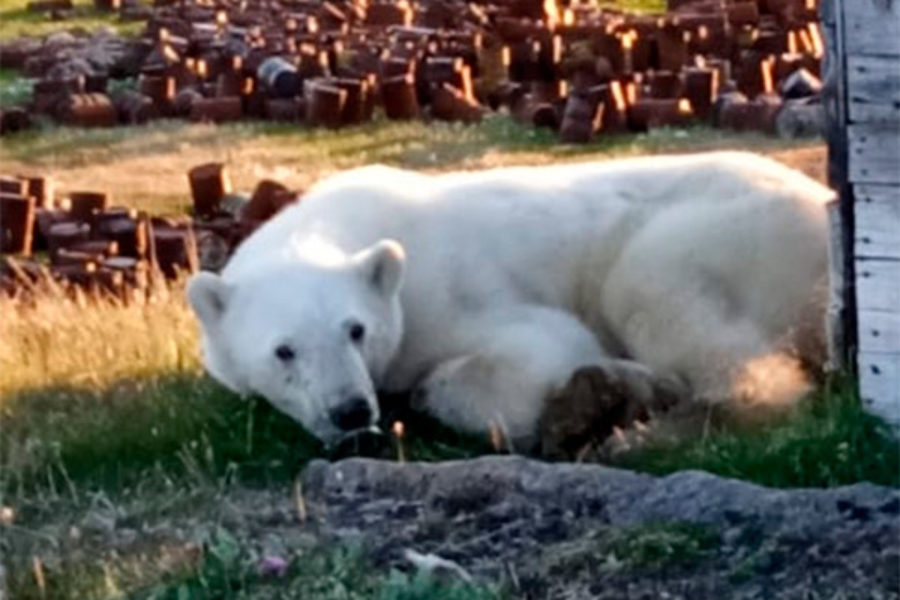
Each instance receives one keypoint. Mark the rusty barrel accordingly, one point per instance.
(209, 184)
(85, 204)
(16, 223)
(399, 97)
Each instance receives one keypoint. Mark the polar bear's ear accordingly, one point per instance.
(382, 265)
(207, 294)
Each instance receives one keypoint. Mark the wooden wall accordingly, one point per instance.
(862, 101)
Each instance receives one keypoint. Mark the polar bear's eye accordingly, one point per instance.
(284, 352)
(357, 332)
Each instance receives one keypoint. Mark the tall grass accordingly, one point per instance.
(54, 337)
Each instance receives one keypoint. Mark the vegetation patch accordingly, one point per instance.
(145, 166)
(228, 570)
(828, 439)
(663, 544)
(14, 89)
(226, 567)
(16, 20)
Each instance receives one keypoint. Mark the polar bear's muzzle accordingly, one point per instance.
(354, 413)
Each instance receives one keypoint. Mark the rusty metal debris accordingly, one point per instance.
(332, 63)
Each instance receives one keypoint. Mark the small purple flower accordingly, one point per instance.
(273, 566)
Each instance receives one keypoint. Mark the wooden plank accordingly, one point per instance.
(874, 152)
(873, 88)
(878, 331)
(878, 285)
(834, 103)
(872, 27)
(842, 309)
(827, 12)
(879, 384)
(877, 221)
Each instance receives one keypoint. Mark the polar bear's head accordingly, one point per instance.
(312, 339)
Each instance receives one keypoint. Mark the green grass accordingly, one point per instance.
(828, 440)
(16, 21)
(160, 430)
(224, 567)
(14, 89)
(662, 544)
(229, 571)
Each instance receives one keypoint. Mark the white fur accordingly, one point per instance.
(512, 278)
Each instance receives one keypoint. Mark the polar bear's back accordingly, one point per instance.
(356, 207)
(646, 179)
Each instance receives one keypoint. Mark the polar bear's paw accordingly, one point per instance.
(600, 402)
(477, 393)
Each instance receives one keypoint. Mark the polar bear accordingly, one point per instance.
(482, 292)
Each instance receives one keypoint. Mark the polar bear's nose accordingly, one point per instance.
(355, 413)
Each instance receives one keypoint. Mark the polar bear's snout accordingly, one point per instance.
(354, 413)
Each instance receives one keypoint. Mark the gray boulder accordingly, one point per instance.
(589, 531)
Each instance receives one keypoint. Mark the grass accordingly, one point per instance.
(14, 89)
(16, 21)
(662, 544)
(107, 401)
(638, 6)
(829, 440)
(229, 571)
(224, 567)
(146, 166)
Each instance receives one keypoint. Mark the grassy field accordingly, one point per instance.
(146, 166)
(104, 409)
(16, 20)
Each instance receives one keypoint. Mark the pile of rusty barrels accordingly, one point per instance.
(579, 69)
(82, 240)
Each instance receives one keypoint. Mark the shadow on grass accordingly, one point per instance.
(171, 427)
(176, 428)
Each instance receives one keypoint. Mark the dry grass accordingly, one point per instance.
(57, 338)
(146, 166)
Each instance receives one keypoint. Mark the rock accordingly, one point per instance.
(555, 524)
